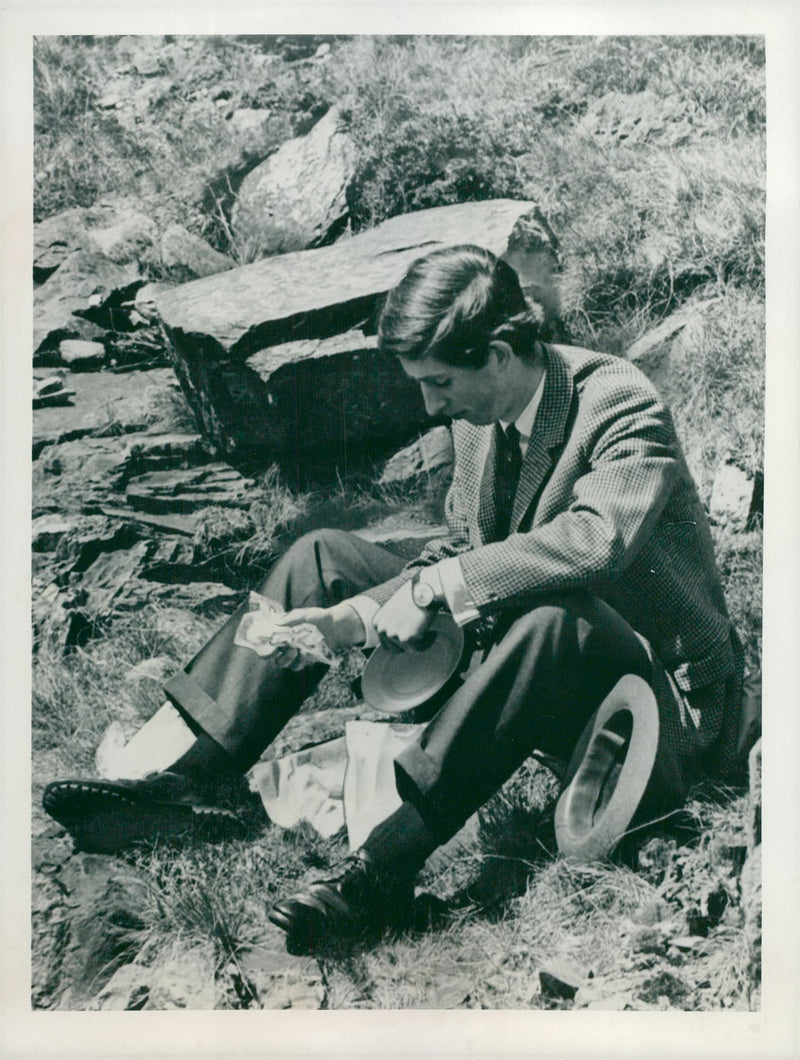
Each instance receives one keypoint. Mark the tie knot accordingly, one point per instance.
(512, 434)
(508, 442)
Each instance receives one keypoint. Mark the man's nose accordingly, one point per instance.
(434, 403)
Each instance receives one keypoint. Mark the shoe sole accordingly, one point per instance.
(103, 820)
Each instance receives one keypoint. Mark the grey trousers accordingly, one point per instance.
(545, 675)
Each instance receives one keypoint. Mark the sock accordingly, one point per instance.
(204, 758)
(400, 845)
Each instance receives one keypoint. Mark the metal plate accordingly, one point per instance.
(394, 681)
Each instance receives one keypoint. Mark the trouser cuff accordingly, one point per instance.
(199, 710)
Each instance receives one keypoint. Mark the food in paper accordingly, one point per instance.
(261, 631)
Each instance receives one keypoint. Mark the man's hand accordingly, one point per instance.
(400, 622)
(340, 625)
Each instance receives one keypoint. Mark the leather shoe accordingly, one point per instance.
(358, 902)
(105, 817)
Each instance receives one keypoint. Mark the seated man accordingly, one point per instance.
(577, 549)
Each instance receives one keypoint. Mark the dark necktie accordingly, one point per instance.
(507, 469)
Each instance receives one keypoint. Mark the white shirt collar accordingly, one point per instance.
(524, 422)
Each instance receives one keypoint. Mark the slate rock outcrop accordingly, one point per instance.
(278, 358)
(297, 197)
(73, 301)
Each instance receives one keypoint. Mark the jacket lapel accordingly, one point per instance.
(487, 511)
(546, 438)
(547, 434)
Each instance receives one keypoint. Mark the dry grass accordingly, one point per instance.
(158, 408)
(591, 917)
(170, 149)
(245, 543)
(76, 697)
(669, 216)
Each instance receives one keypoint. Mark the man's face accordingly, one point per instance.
(476, 395)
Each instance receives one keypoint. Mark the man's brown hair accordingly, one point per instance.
(452, 304)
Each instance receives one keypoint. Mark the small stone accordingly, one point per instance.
(648, 939)
(754, 798)
(660, 335)
(49, 529)
(433, 450)
(561, 978)
(295, 197)
(688, 942)
(113, 97)
(147, 65)
(81, 354)
(615, 1003)
(308, 996)
(155, 669)
(594, 992)
(456, 992)
(649, 913)
(51, 385)
(128, 240)
(51, 393)
(731, 497)
(247, 121)
(184, 984)
(145, 297)
(186, 490)
(127, 990)
(84, 280)
(179, 247)
(279, 980)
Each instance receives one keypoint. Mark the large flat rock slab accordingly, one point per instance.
(279, 359)
(257, 305)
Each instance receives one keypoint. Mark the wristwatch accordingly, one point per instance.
(423, 594)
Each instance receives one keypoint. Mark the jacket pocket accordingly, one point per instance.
(715, 665)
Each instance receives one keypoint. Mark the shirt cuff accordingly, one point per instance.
(365, 607)
(462, 607)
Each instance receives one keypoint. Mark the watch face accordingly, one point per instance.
(423, 594)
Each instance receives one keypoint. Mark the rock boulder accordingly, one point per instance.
(181, 248)
(118, 229)
(79, 354)
(296, 197)
(278, 359)
(86, 281)
(430, 452)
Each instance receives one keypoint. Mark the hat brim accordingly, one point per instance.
(609, 772)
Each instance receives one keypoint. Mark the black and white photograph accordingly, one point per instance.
(397, 519)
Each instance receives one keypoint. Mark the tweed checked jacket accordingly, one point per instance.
(606, 504)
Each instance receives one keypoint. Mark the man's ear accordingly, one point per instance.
(502, 351)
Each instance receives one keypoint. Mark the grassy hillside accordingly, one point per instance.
(647, 157)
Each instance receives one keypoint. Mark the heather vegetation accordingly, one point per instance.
(647, 157)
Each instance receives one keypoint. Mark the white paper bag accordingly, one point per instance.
(305, 786)
(370, 792)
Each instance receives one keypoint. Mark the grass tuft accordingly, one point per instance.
(646, 154)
